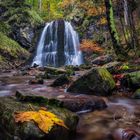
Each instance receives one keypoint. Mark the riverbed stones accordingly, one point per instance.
(97, 81)
(10, 130)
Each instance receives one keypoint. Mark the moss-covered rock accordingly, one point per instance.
(61, 80)
(3, 63)
(11, 50)
(113, 67)
(55, 71)
(136, 95)
(131, 80)
(9, 129)
(20, 21)
(97, 81)
(101, 60)
(5, 28)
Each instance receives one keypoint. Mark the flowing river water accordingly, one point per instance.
(121, 113)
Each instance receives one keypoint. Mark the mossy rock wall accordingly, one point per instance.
(11, 52)
(20, 22)
(20, 27)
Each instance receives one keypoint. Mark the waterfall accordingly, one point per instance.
(58, 45)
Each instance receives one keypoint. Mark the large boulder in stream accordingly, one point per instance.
(97, 81)
(10, 130)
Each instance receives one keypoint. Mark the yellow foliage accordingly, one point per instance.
(102, 21)
(44, 119)
(90, 46)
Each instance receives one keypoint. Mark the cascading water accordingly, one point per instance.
(59, 45)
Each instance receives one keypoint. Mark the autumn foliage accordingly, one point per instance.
(67, 3)
(102, 21)
(91, 46)
(87, 5)
(92, 10)
(44, 119)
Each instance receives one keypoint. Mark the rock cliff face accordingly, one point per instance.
(20, 24)
(88, 19)
(90, 22)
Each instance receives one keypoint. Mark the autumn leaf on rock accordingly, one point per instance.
(44, 119)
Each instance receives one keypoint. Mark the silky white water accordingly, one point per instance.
(58, 45)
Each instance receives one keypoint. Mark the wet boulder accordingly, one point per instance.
(112, 67)
(136, 94)
(11, 130)
(86, 66)
(126, 134)
(82, 103)
(61, 80)
(131, 80)
(55, 71)
(101, 60)
(36, 81)
(97, 81)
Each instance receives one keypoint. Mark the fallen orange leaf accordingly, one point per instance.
(45, 120)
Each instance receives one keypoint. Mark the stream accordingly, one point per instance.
(121, 113)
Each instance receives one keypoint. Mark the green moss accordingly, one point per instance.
(34, 17)
(18, 15)
(136, 95)
(106, 76)
(4, 28)
(112, 22)
(10, 48)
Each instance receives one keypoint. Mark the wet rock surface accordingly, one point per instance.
(83, 103)
(112, 66)
(29, 130)
(136, 94)
(97, 81)
(100, 117)
(61, 80)
(101, 60)
(131, 80)
(120, 114)
(75, 103)
(36, 81)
